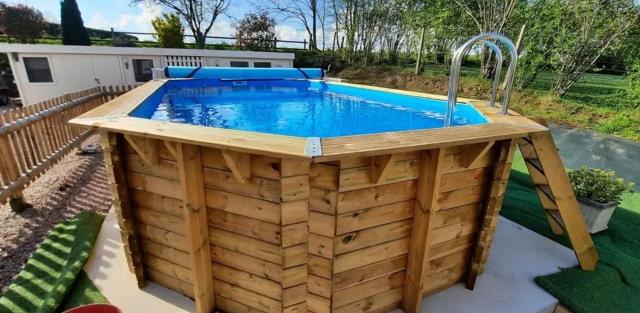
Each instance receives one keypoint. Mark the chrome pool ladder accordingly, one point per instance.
(454, 77)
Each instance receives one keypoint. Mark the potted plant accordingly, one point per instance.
(598, 192)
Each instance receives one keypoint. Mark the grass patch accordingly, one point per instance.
(82, 292)
(598, 101)
(615, 284)
(51, 271)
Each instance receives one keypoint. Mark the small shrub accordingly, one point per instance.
(169, 31)
(633, 81)
(598, 185)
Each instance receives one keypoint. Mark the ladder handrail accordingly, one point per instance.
(496, 79)
(456, 63)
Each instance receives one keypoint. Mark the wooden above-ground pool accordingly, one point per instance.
(245, 221)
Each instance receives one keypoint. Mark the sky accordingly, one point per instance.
(123, 16)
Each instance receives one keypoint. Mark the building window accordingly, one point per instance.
(239, 64)
(38, 70)
(262, 64)
(142, 69)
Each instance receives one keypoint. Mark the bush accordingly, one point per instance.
(319, 59)
(598, 185)
(633, 81)
(21, 22)
(169, 31)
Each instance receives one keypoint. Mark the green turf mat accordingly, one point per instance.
(82, 292)
(615, 284)
(52, 269)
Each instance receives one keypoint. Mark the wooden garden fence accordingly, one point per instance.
(35, 137)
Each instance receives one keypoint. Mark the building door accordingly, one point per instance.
(137, 69)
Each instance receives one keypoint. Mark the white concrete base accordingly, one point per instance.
(107, 268)
(517, 256)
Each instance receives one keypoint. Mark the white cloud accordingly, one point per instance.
(129, 22)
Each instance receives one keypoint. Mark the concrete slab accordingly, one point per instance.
(107, 268)
(517, 256)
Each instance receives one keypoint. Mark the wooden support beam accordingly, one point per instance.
(172, 147)
(196, 223)
(431, 163)
(475, 153)
(493, 204)
(565, 199)
(240, 165)
(147, 148)
(380, 166)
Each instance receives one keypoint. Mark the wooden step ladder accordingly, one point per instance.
(556, 195)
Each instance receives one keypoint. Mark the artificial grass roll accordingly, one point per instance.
(82, 292)
(52, 269)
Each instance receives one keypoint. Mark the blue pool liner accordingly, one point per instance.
(241, 73)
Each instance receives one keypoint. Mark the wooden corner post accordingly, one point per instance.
(493, 204)
(431, 162)
(196, 223)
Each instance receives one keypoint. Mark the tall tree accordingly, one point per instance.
(73, 30)
(21, 22)
(305, 11)
(169, 31)
(200, 15)
(256, 31)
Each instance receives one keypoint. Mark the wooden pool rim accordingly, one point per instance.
(114, 116)
(251, 222)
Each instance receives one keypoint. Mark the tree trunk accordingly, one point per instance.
(420, 47)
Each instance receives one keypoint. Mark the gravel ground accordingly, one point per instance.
(75, 184)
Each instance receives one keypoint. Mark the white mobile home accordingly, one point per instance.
(42, 72)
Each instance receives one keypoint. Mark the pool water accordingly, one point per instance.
(297, 108)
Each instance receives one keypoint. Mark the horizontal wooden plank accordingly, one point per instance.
(243, 225)
(258, 187)
(458, 214)
(247, 281)
(324, 176)
(454, 231)
(465, 179)
(160, 220)
(357, 220)
(382, 302)
(294, 166)
(443, 279)
(319, 286)
(450, 261)
(366, 273)
(245, 245)
(174, 270)
(366, 161)
(323, 201)
(322, 224)
(243, 205)
(165, 252)
(294, 276)
(375, 196)
(455, 157)
(359, 258)
(358, 178)
(295, 255)
(230, 306)
(294, 187)
(367, 289)
(247, 263)
(169, 282)
(321, 246)
(294, 295)
(154, 184)
(165, 168)
(452, 246)
(162, 236)
(320, 266)
(157, 202)
(294, 211)
(261, 166)
(247, 297)
(318, 304)
(294, 234)
(461, 197)
(296, 308)
(372, 236)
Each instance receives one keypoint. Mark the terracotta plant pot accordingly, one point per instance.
(95, 308)
(597, 214)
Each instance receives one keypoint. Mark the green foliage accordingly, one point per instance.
(633, 82)
(73, 30)
(256, 31)
(598, 185)
(21, 22)
(169, 31)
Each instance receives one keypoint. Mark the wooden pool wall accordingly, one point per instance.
(273, 234)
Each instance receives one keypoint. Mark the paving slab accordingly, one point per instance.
(516, 257)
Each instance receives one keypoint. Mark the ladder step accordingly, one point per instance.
(535, 163)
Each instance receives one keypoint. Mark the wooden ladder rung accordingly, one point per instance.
(535, 163)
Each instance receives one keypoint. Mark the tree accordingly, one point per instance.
(73, 30)
(256, 31)
(21, 22)
(305, 11)
(633, 81)
(169, 31)
(200, 15)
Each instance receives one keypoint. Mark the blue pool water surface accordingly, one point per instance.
(297, 108)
